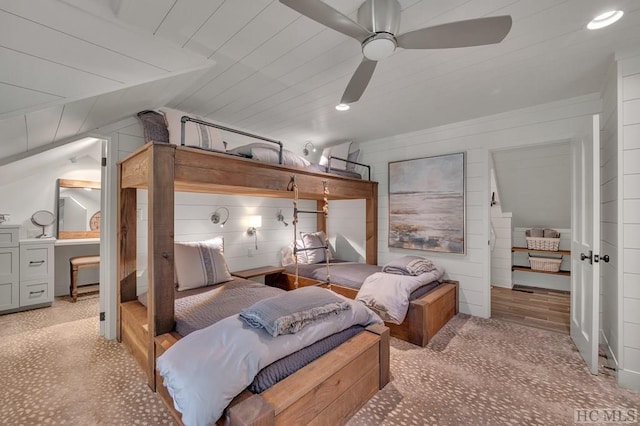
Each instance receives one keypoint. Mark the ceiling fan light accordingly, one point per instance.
(605, 19)
(380, 46)
(342, 107)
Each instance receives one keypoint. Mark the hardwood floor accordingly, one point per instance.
(532, 306)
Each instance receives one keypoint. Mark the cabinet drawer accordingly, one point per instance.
(34, 292)
(36, 262)
(9, 236)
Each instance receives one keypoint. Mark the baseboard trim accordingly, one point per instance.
(629, 379)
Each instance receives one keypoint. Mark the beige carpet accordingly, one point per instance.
(56, 369)
(491, 372)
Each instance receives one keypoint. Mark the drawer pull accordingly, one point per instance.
(36, 262)
(31, 293)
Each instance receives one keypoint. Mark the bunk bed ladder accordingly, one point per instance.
(293, 186)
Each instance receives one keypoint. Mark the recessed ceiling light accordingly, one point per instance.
(342, 107)
(605, 19)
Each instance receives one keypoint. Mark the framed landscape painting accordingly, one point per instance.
(427, 203)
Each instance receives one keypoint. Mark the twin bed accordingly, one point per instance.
(430, 306)
(329, 389)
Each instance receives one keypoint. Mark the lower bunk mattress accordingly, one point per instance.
(348, 274)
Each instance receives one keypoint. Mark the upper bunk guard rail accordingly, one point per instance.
(368, 167)
(197, 170)
(186, 118)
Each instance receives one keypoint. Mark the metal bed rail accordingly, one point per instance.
(186, 118)
(368, 167)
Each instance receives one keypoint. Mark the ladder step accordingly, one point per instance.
(310, 211)
(296, 249)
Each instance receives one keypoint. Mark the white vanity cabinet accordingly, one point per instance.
(9, 267)
(26, 271)
(36, 271)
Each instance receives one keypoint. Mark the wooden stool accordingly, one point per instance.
(79, 262)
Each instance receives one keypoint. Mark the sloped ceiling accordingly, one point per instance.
(535, 185)
(75, 65)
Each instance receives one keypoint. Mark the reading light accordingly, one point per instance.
(342, 107)
(254, 222)
(216, 217)
(308, 146)
(605, 19)
(280, 218)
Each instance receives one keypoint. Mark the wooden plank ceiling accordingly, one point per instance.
(70, 66)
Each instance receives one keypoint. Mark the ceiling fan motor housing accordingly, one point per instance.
(380, 16)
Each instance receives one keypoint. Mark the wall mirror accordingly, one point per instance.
(78, 209)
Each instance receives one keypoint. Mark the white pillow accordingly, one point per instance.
(340, 151)
(194, 134)
(314, 239)
(200, 264)
(302, 255)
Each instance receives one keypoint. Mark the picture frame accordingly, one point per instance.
(427, 203)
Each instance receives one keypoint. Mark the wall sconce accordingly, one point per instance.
(280, 218)
(216, 216)
(254, 223)
(308, 146)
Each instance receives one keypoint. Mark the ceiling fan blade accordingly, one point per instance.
(359, 81)
(474, 32)
(328, 16)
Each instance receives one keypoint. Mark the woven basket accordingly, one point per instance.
(544, 264)
(549, 244)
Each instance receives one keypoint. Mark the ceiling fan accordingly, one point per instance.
(377, 31)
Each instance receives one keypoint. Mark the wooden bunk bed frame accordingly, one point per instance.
(331, 388)
(425, 316)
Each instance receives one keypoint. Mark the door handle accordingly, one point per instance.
(604, 258)
(590, 257)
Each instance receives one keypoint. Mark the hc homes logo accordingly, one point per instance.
(606, 415)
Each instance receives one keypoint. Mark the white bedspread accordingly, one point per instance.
(388, 294)
(205, 370)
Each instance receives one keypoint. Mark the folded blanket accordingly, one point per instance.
(409, 265)
(289, 312)
(388, 294)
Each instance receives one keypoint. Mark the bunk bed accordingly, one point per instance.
(329, 389)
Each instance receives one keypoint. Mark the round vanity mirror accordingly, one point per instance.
(43, 218)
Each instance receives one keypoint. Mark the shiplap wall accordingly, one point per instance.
(534, 279)
(609, 283)
(501, 246)
(558, 121)
(629, 75)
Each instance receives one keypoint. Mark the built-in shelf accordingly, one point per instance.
(528, 269)
(530, 251)
(526, 250)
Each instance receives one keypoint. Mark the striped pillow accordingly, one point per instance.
(200, 264)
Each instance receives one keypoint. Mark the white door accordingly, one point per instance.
(585, 245)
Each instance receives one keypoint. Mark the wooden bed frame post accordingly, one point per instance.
(160, 251)
(126, 229)
(371, 230)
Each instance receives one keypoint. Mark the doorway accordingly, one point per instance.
(531, 189)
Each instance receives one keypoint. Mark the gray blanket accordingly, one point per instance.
(409, 265)
(284, 367)
(289, 312)
(200, 311)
